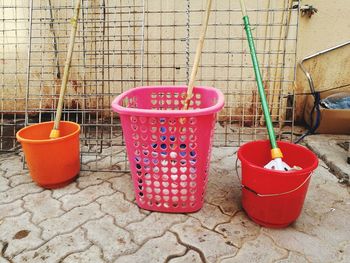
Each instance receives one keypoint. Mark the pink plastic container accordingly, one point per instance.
(168, 148)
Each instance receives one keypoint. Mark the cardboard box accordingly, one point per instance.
(332, 121)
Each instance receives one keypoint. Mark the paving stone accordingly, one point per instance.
(2, 259)
(293, 257)
(325, 213)
(239, 230)
(345, 251)
(116, 163)
(327, 148)
(319, 235)
(85, 196)
(42, 206)
(11, 209)
(224, 188)
(70, 220)
(154, 225)
(124, 184)
(155, 250)
(12, 165)
(210, 216)
(314, 249)
(68, 189)
(326, 193)
(212, 244)
(124, 212)
(55, 249)
(223, 159)
(18, 192)
(190, 257)
(20, 234)
(91, 255)
(113, 241)
(4, 182)
(87, 179)
(333, 227)
(256, 251)
(20, 179)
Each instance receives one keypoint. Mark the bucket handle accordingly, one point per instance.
(271, 195)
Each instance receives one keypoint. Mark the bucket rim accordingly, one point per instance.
(117, 107)
(31, 141)
(285, 173)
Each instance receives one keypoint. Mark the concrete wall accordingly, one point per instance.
(225, 55)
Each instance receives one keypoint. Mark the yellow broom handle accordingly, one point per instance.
(197, 56)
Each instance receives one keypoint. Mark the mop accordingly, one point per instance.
(276, 154)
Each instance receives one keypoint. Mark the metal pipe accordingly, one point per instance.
(307, 74)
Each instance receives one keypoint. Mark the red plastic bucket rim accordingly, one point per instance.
(22, 139)
(309, 169)
(117, 104)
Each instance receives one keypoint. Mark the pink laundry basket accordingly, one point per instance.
(168, 148)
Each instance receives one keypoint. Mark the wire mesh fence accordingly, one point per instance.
(127, 43)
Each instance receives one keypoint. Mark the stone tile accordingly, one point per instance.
(345, 250)
(313, 248)
(124, 184)
(212, 244)
(332, 227)
(154, 225)
(85, 196)
(42, 206)
(56, 248)
(20, 234)
(224, 189)
(87, 179)
(210, 216)
(239, 230)
(68, 189)
(293, 257)
(124, 212)
(70, 220)
(155, 250)
(91, 255)
(18, 192)
(325, 193)
(12, 165)
(325, 146)
(11, 209)
(2, 259)
(113, 241)
(223, 158)
(20, 179)
(190, 257)
(325, 212)
(4, 182)
(256, 251)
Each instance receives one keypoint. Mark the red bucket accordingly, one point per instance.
(274, 198)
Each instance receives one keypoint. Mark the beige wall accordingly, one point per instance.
(328, 28)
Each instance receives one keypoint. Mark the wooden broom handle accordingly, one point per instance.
(197, 56)
(74, 22)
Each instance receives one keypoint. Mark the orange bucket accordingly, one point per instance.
(52, 163)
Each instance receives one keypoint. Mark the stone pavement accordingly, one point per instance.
(95, 219)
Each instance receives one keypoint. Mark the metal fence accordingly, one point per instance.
(127, 43)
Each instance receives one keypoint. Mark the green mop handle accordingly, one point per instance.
(258, 78)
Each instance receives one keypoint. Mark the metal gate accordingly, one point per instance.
(127, 43)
